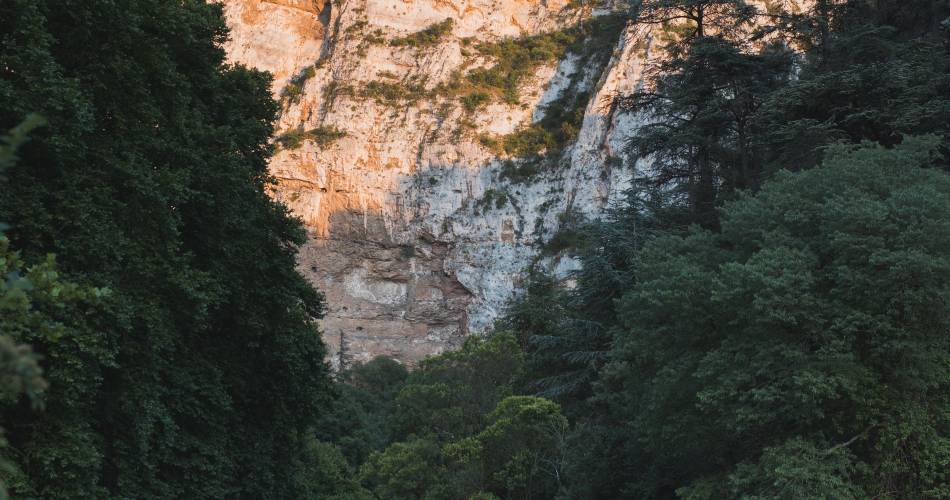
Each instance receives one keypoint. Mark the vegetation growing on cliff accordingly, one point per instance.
(321, 136)
(394, 93)
(517, 59)
(591, 44)
(764, 316)
(294, 89)
(514, 60)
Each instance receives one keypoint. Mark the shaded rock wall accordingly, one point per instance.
(403, 243)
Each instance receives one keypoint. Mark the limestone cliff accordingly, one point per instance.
(422, 218)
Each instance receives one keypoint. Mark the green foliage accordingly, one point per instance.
(450, 394)
(322, 473)
(294, 89)
(795, 347)
(37, 308)
(459, 433)
(492, 199)
(562, 118)
(195, 376)
(812, 322)
(701, 143)
(517, 59)
(357, 423)
(474, 100)
(873, 84)
(520, 449)
(558, 126)
(410, 470)
(394, 93)
(519, 172)
(516, 454)
(691, 20)
(429, 36)
(322, 136)
(525, 142)
(15, 138)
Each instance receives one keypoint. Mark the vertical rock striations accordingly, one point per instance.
(428, 172)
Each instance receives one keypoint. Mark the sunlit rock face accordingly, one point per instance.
(411, 256)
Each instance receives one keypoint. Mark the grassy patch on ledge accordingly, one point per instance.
(294, 88)
(394, 93)
(321, 136)
(429, 36)
(559, 126)
(518, 59)
(592, 41)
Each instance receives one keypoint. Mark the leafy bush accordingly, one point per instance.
(427, 37)
(519, 172)
(322, 136)
(474, 100)
(492, 198)
(391, 94)
(294, 88)
(519, 59)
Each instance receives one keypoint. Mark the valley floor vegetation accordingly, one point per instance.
(764, 315)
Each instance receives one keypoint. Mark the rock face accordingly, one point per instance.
(420, 234)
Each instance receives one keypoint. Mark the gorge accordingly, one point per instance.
(410, 174)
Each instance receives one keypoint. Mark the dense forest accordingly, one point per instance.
(764, 315)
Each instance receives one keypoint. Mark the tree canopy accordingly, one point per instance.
(762, 315)
(150, 180)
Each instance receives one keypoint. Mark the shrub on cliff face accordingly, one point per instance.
(294, 89)
(431, 35)
(321, 136)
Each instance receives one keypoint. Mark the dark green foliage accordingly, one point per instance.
(692, 20)
(869, 81)
(705, 101)
(566, 333)
(518, 454)
(431, 35)
(394, 93)
(519, 171)
(321, 473)
(411, 470)
(36, 307)
(449, 395)
(800, 352)
(814, 323)
(321, 136)
(492, 199)
(195, 376)
(357, 423)
(474, 100)
(459, 432)
(795, 347)
(294, 88)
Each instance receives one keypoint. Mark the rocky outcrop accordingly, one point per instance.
(420, 234)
